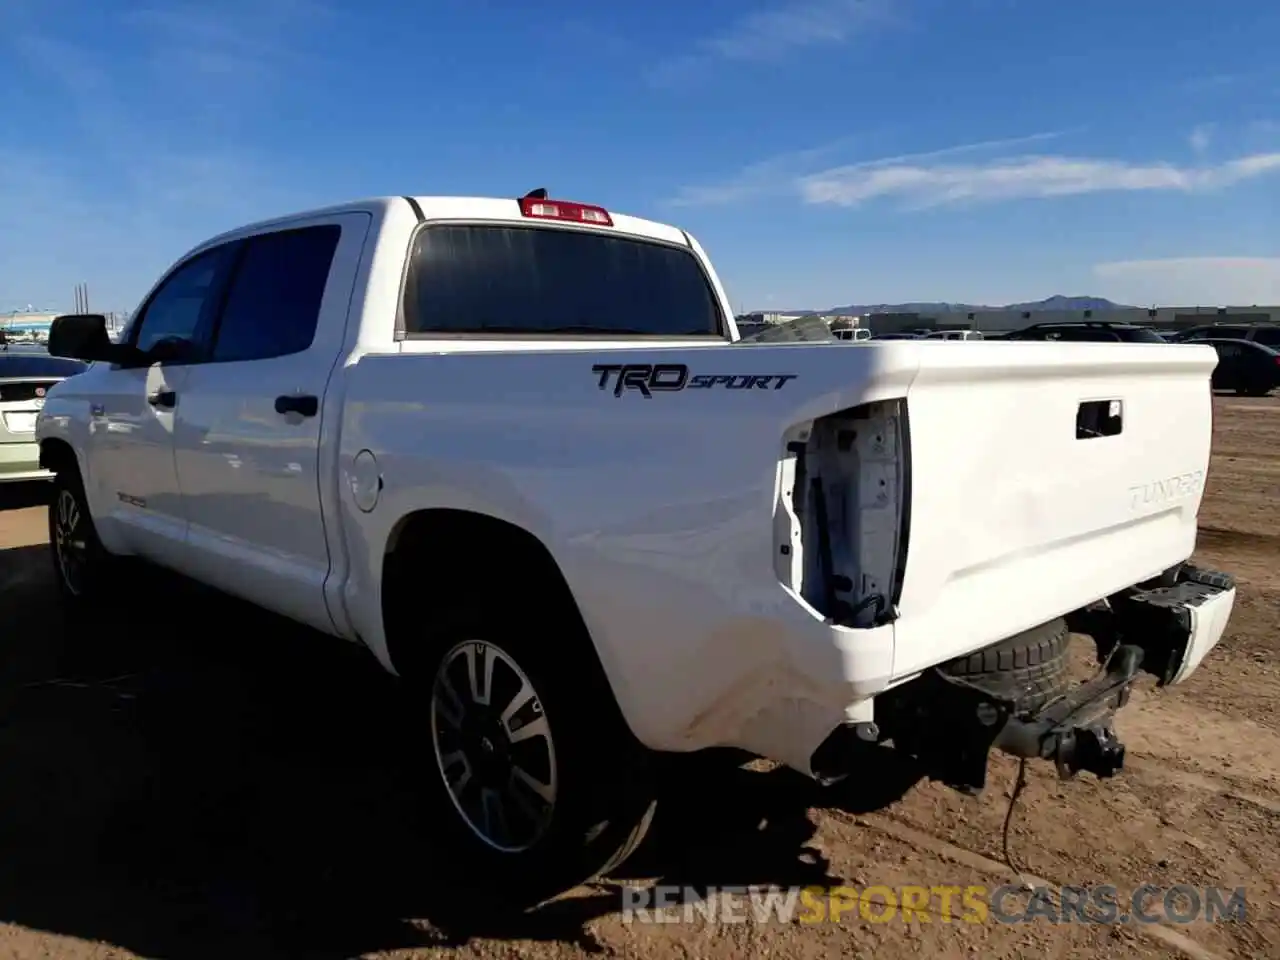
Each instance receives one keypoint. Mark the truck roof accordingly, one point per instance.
(471, 208)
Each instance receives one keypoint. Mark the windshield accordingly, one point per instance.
(23, 365)
(488, 279)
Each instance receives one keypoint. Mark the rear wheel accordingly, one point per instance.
(532, 782)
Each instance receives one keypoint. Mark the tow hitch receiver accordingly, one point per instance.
(1164, 627)
(1074, 731)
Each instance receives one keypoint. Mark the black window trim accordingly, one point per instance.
(401, 328)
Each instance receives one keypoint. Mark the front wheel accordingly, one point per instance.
(81, 565)
(534, 783)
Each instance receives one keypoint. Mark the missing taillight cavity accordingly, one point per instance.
(842, 513)
(565, 210)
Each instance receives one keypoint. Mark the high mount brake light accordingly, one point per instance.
(565, 210)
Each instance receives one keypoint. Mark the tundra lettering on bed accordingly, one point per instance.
(870, 551)
(1163, 491)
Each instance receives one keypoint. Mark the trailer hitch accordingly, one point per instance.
(951, 725)
(1075, 731)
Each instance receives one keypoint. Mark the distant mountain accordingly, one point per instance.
(1059, 302)
(1056, 302)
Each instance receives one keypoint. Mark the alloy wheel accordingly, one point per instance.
(69, 544)
(493, 746)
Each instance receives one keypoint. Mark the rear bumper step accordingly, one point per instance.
(1163, 628)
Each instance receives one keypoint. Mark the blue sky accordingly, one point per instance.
(824, 151)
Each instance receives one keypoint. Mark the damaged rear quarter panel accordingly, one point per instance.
(655, 501)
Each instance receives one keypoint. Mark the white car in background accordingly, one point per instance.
(856, 334)
(954, 335)
(27, 374)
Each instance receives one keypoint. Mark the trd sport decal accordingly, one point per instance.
(648, 379)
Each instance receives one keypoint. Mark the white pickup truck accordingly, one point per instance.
(517, 449)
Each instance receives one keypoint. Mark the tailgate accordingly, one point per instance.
(1045, 476)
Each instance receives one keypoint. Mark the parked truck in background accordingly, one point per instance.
(516, 448)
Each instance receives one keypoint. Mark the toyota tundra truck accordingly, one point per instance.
(517, 449)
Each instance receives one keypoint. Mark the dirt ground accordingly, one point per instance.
(196, 779)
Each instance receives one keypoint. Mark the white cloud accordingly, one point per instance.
(773, 175)
(784, 173)
(1206, 281)
(920, 185)
(778, 32)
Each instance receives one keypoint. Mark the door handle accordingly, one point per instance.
(163, 398)
(305, 405)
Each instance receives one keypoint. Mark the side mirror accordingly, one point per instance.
(81, 336)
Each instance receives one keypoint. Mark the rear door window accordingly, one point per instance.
(489, 279)
(273, 304)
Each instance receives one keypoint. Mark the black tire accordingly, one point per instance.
(83, 569)
(605, 795)
(1029, 668)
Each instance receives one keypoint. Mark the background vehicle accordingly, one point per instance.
(1245, 366)
(1086, 331)
(517, 449)
(896, 336)
(954, 335)
(1267, 334)
(852, 333)
(27, 373)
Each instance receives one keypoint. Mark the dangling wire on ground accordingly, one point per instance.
(1018, 787)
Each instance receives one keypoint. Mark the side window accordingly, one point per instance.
(273, 303)
(182, 307)
(1267, 336)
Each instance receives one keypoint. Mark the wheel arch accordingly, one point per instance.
(57, 455)
(445, 555)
